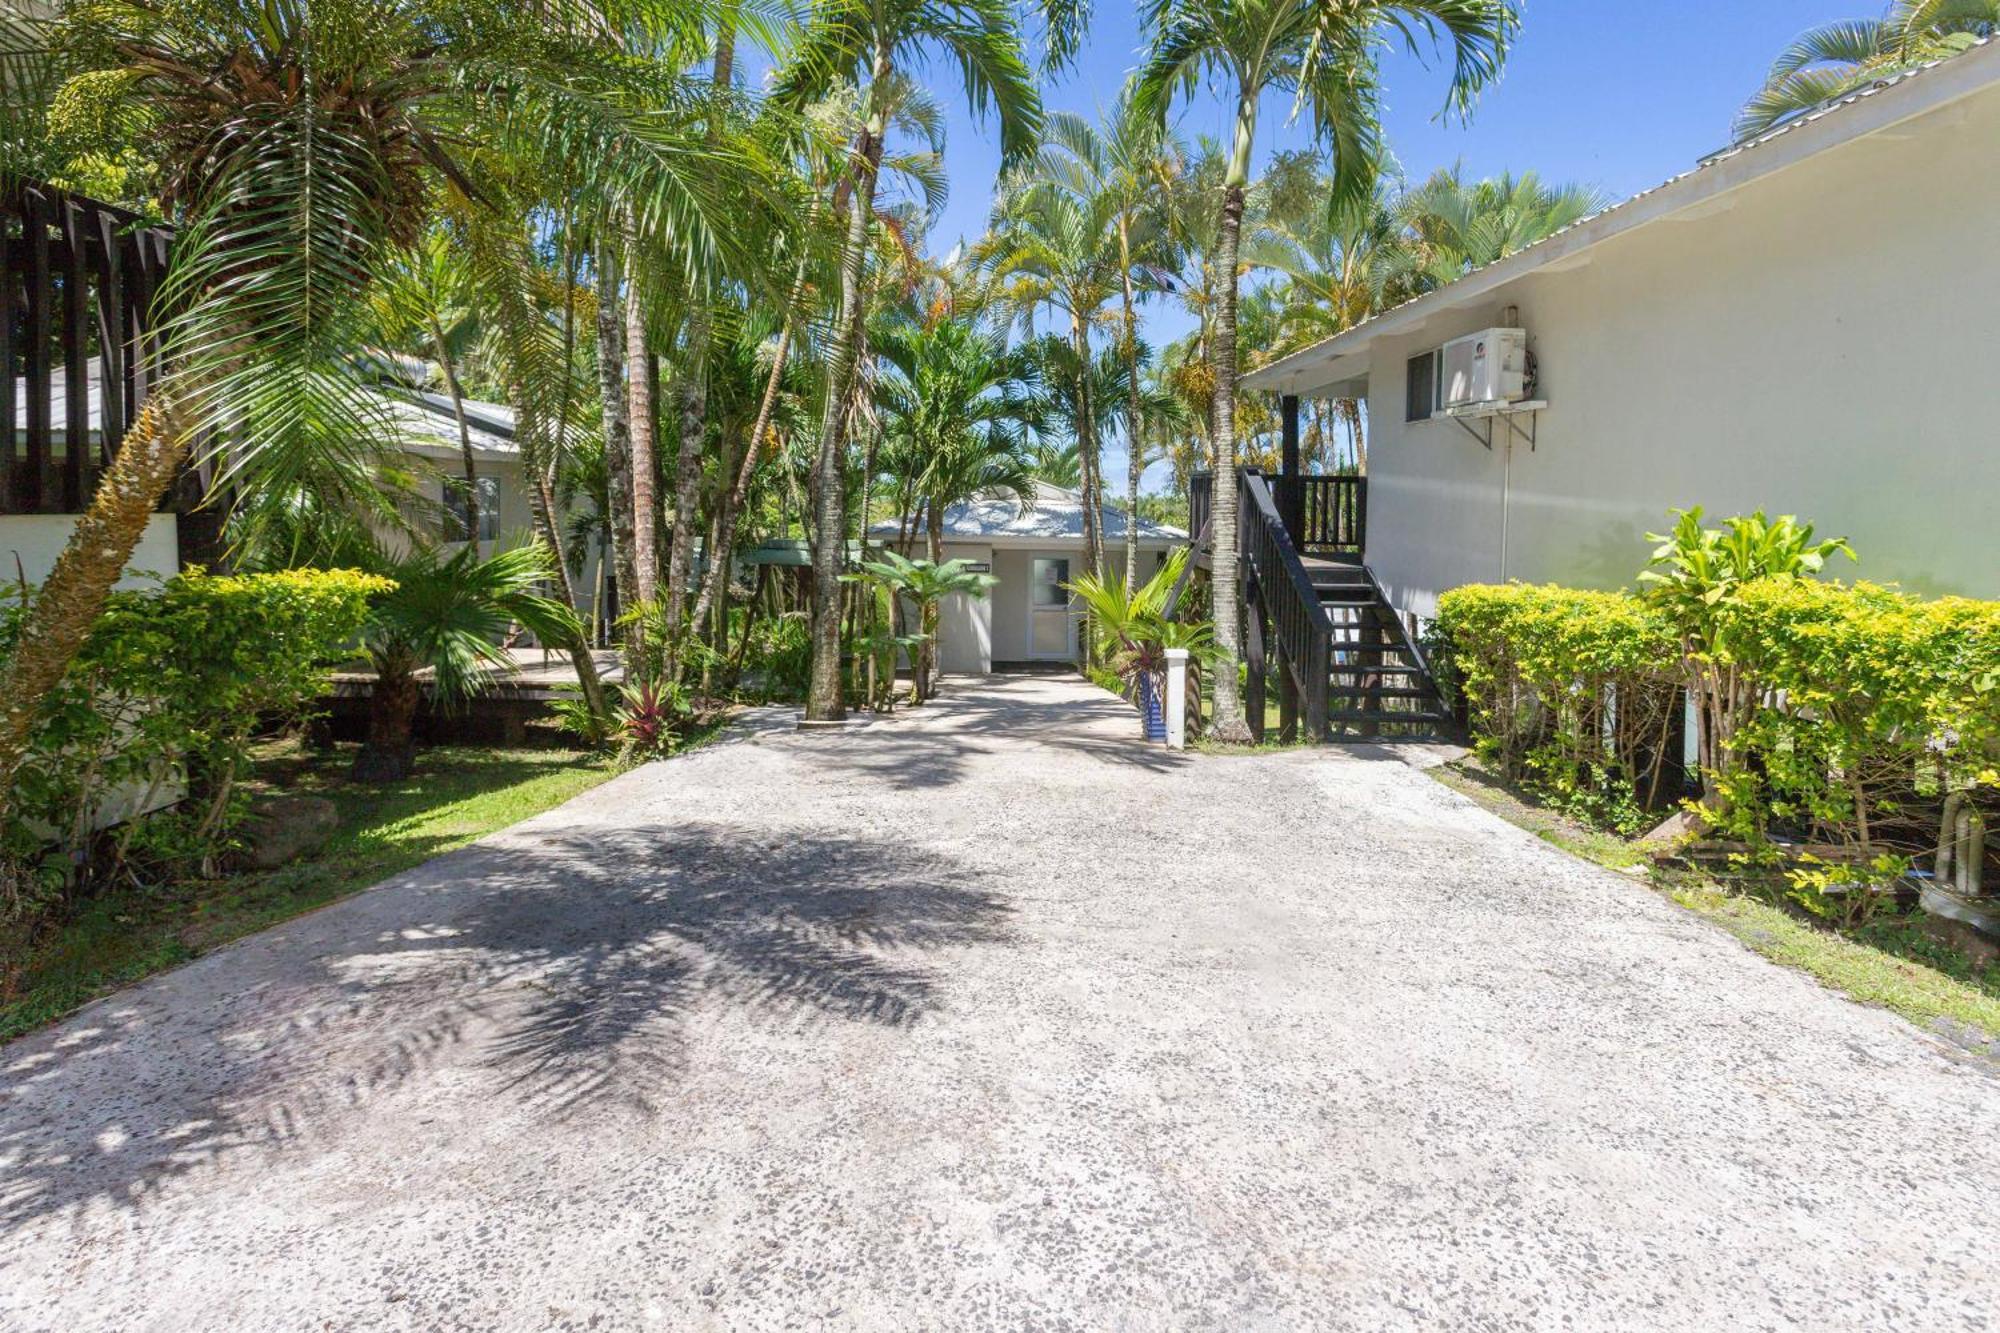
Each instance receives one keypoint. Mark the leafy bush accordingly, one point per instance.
(778, 659)
(1567, 690)
(1838, 721)
(1872, 708)
(166, 693)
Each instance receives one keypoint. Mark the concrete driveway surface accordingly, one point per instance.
(990, 1016)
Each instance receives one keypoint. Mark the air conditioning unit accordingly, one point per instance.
(1484, 369)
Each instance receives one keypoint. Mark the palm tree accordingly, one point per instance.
(1324, 53)
(926, 583)
(446, 615)
(1057, 464)
(954, 415)
(1455, 227)
(1833, 61)
(424, 299)
(866, 43)
(913, 113)
(1051, 248)
(299, 145)
(1126, 171)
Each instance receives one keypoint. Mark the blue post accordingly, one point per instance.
(1149, 706)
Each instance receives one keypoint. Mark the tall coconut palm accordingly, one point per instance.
(866, 40)
(1052, 248)
(829, 125)
(1832, 61)
(1324, 53)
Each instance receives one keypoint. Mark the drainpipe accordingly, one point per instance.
(1506, 494)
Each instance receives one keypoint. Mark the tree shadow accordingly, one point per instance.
(566, 968)
(933, 745)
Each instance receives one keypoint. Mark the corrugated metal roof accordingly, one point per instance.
(1055, 515)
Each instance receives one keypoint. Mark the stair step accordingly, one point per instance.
(1381, 692)
(1377, 715)
(1386, 669)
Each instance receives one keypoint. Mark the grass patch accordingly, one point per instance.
(1892, 961)
(456, 795)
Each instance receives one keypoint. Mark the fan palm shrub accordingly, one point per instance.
(447, 616)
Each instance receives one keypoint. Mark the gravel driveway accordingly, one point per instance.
(974, 1019)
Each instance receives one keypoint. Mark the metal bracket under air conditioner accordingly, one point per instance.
(1504, 412)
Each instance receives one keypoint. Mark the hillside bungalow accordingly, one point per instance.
(1801, 324)
(1034, 550)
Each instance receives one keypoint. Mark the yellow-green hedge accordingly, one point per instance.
(1872, 704)
(1568, 690)
(166, 693)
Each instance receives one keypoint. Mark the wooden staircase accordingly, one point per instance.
(1378, 685)
(1347, 666)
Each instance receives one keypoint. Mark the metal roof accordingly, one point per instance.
(1056, 514)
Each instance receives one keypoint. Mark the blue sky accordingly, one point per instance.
(1620, 94)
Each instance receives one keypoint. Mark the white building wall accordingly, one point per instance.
(35, 540)
(1819, 343)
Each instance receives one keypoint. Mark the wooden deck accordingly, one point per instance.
(523, 692)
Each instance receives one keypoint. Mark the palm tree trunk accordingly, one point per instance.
(1229, 725)
(617, 424)
(63, 609)
(687, 481)
(1135, 460)
(639, 397)
(739, 493)
(825, 697)
(390, 746)
(450, 369)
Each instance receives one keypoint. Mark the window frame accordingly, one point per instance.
(1434, 361)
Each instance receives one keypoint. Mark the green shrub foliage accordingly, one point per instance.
(164, 700)
(1571, 692)
(1859, 712)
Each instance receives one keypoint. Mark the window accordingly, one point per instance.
(1420, 393)
(455, 517)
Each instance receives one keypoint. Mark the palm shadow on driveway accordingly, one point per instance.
(564, 964)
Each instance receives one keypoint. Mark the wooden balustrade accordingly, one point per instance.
(77, 350)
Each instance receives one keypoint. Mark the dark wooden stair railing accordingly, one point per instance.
(1344, 654)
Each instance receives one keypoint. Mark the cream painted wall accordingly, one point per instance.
(37, 539)
(965, 624)
(1821, 342)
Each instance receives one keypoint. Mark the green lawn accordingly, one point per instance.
(457, 794)
(1892, 961)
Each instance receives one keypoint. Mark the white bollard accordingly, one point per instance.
(1177, 660)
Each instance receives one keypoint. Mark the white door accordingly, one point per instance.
(1051, 627)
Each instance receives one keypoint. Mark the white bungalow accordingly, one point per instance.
(1034, 550)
